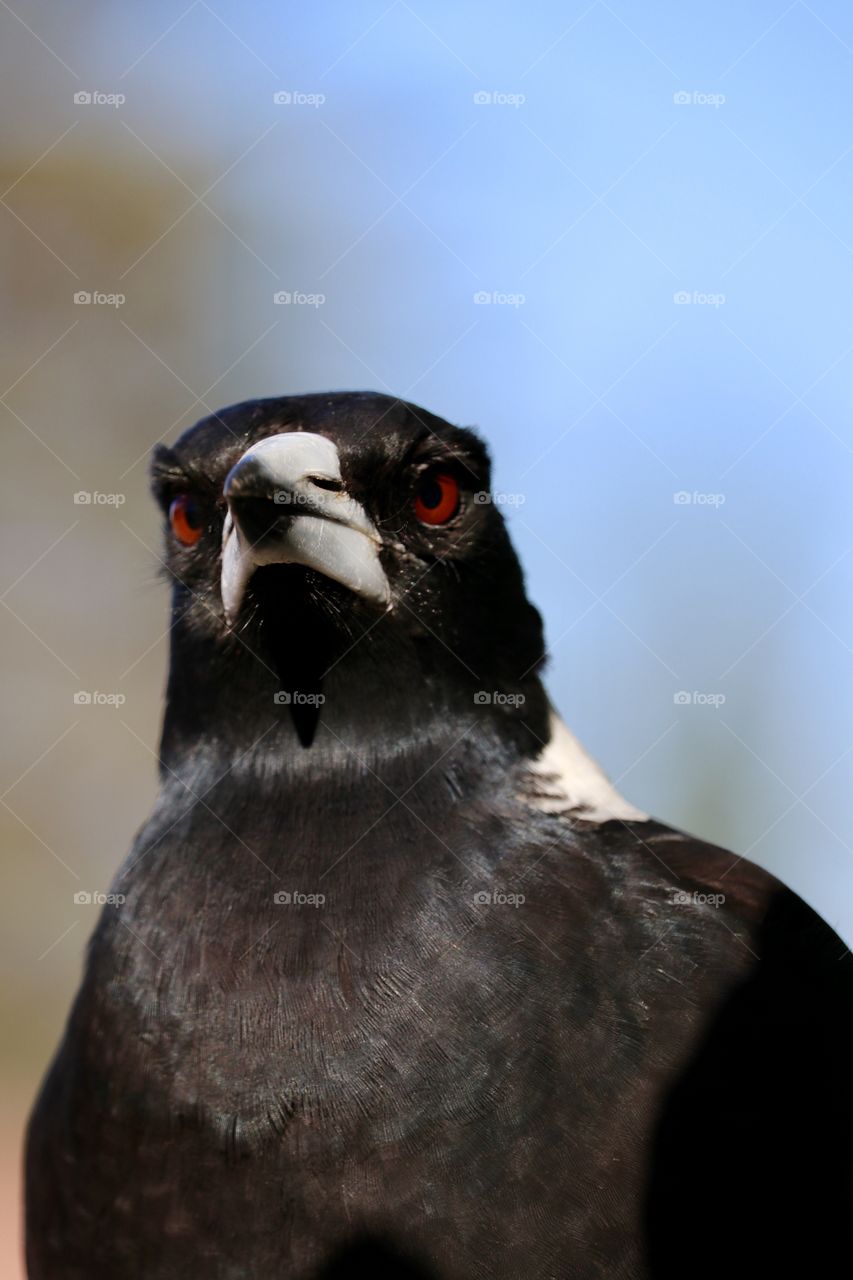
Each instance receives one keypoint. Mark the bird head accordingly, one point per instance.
(340, 553)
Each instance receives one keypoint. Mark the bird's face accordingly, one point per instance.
(297, 526)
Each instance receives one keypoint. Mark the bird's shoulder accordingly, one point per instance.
(693, 868)
(716, 900)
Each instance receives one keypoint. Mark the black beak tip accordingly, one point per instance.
(247, 480)
(259, 506)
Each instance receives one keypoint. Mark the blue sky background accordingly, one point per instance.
(599, 197)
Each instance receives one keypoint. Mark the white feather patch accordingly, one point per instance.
(564, 779)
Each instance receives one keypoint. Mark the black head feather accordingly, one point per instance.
(459, 622)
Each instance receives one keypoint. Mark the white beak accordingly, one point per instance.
(287, 505)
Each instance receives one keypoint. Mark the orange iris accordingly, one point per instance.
(437, 498)
(186, 520)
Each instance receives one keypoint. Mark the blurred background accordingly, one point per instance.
(615, 238)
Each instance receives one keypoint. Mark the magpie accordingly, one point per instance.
(395, 982)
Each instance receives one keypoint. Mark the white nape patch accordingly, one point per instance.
(565, 780)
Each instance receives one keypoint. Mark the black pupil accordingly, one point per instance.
(430, 492)
(192, 513)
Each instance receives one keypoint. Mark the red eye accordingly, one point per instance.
(186, 520)
(437, 498)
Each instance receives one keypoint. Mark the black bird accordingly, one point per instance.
(400, 984)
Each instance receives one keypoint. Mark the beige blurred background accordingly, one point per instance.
(88, 389)
(83, 610)
(399, 195)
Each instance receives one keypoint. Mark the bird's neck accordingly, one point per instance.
(367, 712)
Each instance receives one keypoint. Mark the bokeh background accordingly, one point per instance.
(616, 238)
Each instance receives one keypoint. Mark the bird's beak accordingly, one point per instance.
(287, 505)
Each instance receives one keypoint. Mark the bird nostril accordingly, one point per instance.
(326, 482)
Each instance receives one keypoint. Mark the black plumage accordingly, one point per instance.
(403, 1070)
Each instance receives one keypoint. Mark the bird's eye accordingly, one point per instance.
(437, 497)
(186, 519)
